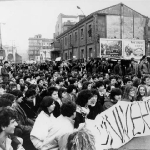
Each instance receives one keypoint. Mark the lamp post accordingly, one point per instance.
(81, 10)
(1, 47)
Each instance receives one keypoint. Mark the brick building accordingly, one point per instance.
(118, 21)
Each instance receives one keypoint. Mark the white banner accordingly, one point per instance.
(120, 123)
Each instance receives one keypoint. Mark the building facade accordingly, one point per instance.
(60, 26)
(64, 23)
(10, 54)
(55, 50)
(39, 48)
(118, 21)
(45, 52)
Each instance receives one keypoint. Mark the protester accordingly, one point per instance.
(43, 122)
(82, 101)
(5, 71)
(114, 97)
(7, 127)
(53, 92)
(141, 93)
(94, 86)
(96, 106)
(129, 94)
(28, 104)
(63, 124)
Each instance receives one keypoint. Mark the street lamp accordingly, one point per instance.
(1, 47)
(1, 36)
(81, 10)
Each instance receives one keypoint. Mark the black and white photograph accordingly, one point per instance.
(74, 75)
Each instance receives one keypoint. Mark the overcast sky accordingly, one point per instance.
(26, 18)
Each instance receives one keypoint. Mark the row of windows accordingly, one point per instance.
(46, 47)
(34, 52)
(82, 54)
(89, 32)
(34, 48)
(39, 44)
(38, 48)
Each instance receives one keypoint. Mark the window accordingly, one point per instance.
(61, 45)
(66, 56)
(90, 31)
(81, 33)
(65, 40)
(90, 52)
(70, 40)
(30, 52)
(70, 55)
(75, 37)
(82, 53)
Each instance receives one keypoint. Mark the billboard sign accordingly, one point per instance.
(122, 48)
(133, 49)
(111, 47)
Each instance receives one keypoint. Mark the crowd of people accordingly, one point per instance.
(45, 106)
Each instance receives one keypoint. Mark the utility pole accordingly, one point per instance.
(14, 54)
(1, 47)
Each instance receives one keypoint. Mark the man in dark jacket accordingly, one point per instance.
(5, 72)
(28, 104)
(118, 69)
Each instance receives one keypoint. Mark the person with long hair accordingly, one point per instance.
(83, 101)
(96, 108)
(43, 122)
(64, 124)
(82, 139)
(62, 94)
(141, 93)
(86, 85)
(129, 93)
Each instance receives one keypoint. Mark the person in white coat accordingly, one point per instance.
(63, 124)
(43, 122)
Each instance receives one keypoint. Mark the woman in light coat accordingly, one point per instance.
(43, 122)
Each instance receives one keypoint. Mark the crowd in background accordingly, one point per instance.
(45, 106)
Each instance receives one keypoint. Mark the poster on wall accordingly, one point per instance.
(110, 47)
(133, 49)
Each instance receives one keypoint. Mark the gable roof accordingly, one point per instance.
(112, 10)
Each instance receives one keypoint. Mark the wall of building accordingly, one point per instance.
(75, 41)
(118, 21)
(61, 19)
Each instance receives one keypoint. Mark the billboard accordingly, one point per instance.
(122, 48)
(133, 49)
(111, 47)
